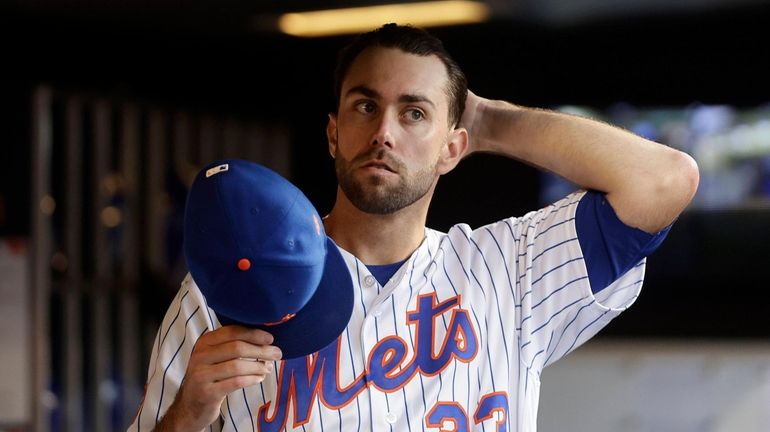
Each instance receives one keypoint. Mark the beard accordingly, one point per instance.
(377, 195)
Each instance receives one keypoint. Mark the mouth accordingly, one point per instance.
(378, 165)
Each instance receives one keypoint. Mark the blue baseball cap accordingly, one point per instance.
(257, 249)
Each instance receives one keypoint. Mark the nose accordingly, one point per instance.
(384, 132)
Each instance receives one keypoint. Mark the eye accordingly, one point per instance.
(414, 114)
(365, 107)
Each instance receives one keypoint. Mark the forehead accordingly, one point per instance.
(392, 73)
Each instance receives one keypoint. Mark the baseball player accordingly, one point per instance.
(448, 331)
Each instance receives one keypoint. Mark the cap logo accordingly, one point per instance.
(216, 170)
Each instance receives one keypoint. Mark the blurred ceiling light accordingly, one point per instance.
(361, 19)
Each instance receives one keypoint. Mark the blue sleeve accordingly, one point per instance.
(610, 247)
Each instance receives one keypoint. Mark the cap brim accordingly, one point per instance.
(323, 318)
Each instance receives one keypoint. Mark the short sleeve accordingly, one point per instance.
(554, 308)
(610, 247)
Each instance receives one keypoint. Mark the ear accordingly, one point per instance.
(454, 150)
(331, 134)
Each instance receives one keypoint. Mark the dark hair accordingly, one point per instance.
(411, 40)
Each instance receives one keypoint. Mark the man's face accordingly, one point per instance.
(390, 133)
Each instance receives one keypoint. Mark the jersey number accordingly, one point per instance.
(451, 417)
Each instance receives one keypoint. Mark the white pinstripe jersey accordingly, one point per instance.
(456, 339)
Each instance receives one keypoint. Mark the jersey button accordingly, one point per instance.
(390, 418)
(377, 313)
(369, 280)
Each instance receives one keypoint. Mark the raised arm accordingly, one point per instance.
(648, 184)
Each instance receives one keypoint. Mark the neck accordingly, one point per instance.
(377, 239)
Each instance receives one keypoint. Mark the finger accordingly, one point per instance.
(237, 332)
(230, 385)
(214, 392)
(211, 354)
(234, 368)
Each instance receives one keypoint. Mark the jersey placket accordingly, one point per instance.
(378, 323)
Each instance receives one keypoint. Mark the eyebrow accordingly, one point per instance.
(404, 98)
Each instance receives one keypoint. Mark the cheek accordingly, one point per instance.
(347, 146)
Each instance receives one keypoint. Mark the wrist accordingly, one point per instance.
(176, 421)
(499, 129)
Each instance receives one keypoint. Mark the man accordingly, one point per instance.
(450, 331)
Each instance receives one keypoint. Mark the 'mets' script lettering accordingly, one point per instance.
(388, 368)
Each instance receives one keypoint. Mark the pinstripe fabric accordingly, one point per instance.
(459, 334)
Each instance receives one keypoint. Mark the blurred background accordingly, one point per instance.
(109, 108)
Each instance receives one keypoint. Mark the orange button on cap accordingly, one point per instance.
(244, 264)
